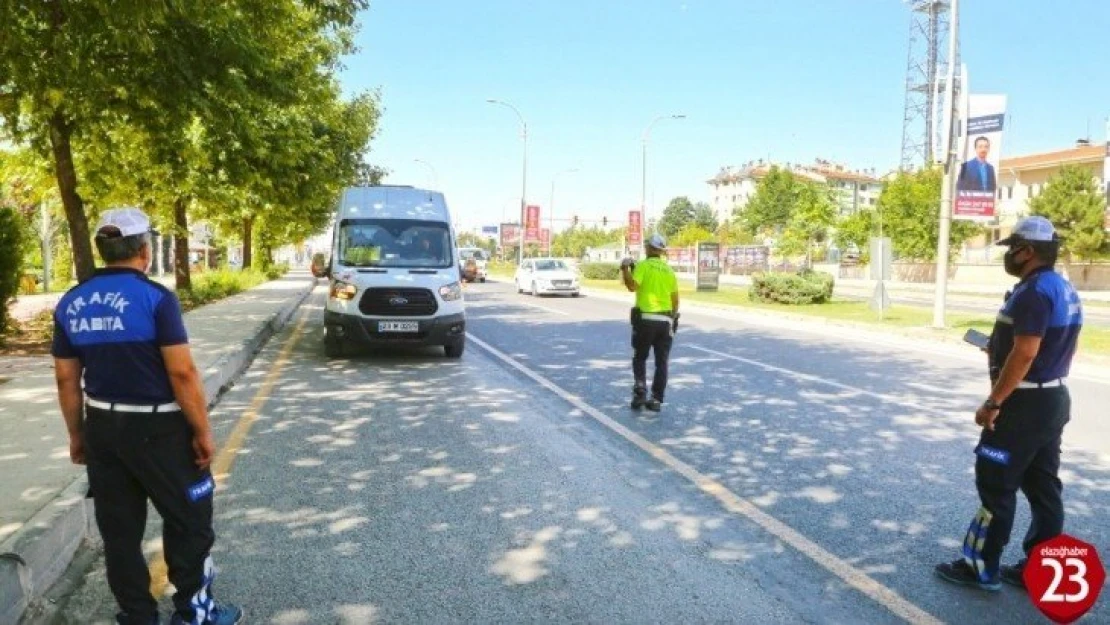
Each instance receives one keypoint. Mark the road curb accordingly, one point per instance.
(35, 557)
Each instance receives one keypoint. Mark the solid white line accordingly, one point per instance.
(734, 503)
(808, 377)
(1086, 372)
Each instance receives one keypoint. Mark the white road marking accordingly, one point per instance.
(734, 503)
(808, 377)
(1080, 371)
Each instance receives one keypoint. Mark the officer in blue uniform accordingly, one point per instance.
(1030, 353)
(139, 424)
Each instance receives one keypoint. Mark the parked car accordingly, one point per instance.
(547, 276)
(473, 262)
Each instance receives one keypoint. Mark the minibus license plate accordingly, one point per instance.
(398, 326)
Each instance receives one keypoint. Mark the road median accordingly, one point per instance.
(50, 516)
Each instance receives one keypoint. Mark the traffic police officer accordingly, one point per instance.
(1030, 353)
(144, 432)
(654, 320)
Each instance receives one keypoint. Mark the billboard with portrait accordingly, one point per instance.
(977, 170)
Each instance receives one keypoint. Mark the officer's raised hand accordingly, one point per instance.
(627, 263)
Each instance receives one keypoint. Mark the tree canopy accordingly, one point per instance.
(1072, 202)
(229, 112)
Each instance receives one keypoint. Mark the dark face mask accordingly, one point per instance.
(1013, 267)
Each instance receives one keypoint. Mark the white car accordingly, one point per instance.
(547, 276)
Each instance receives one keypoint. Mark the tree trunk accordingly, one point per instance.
(46, 233)
(182, 278)
(248, 242)
(66, 175)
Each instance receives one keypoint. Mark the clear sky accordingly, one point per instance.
(789, 80)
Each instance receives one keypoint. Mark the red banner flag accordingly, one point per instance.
(635, 238)
(532, 224)
(510, 235)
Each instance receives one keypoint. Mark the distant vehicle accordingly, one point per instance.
(319, 265)
(547, 276)
(473, 263)
(394, 272)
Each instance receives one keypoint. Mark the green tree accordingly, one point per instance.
(469, 239)
(733, 233)
(855, 229)
(814, 214)
(692, 234)
(13, 231)
(1072, 202)
(911, 212)
(370, 175)
(95, 70)
(679, 212)
(774, 202)
(572, 243)
(705, 217)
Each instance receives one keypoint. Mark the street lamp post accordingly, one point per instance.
(435, 175)
(524, 177)
(643, 170)
(551, 207)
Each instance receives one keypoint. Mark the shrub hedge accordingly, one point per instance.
(804, 287)
(601, 271)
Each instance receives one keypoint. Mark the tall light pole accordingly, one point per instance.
(551, 207)
(950, 161)
(524, 177)
(435, 176)
(643, 170)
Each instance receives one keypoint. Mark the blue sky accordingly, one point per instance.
(789, 80)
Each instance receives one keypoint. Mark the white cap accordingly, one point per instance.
(1033, 229)
(129, 221)
(656, 241)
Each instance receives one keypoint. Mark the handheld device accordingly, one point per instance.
(977, 338)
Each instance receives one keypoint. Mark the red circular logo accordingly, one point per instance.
(1064, 577)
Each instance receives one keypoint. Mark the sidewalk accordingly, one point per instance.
(44, 515)
(27, 306)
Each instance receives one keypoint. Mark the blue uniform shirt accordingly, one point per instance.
(116, 323)
(1044, 304)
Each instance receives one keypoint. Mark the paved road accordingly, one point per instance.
(790, 478)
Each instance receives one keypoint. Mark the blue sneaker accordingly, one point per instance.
(960, 572)
(222, 614)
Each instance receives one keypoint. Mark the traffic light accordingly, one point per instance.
(604, 221)
(574, 221)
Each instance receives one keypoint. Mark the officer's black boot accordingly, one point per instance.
(639, 396)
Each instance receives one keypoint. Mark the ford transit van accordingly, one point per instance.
(394, 272)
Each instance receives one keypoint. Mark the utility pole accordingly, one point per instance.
(524, 177)
(950, 161)
(643, 172)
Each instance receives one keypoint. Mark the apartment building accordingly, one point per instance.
(1023, 178)
(733, 187)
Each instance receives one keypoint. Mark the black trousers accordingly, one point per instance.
(1023, 452)
(133, 457)
(647, 336)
